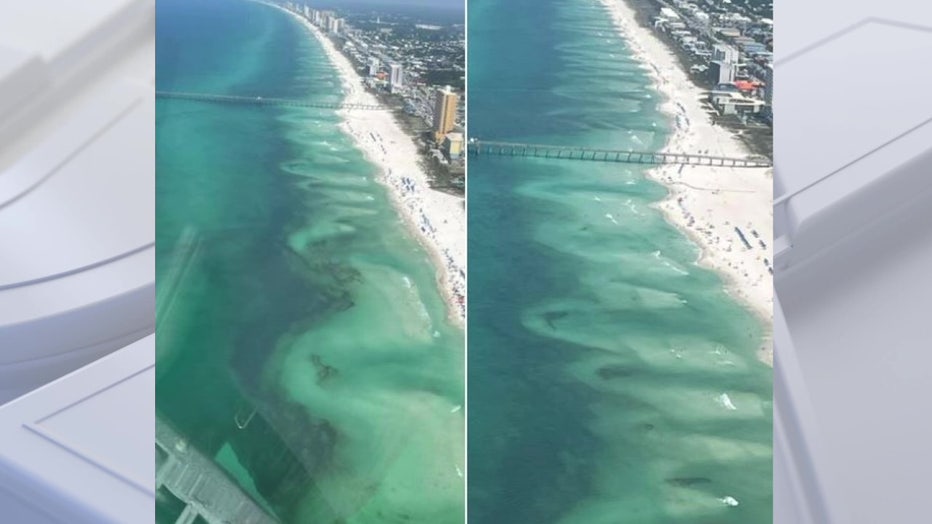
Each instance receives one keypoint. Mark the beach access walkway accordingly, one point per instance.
(511, 149)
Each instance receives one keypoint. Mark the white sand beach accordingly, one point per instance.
(708, 203)
(438, 219)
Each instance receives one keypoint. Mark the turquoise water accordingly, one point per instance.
(603, 362)
(302, 341)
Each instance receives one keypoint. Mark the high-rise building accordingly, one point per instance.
(335, 25)
(445, 101)
(326, 18)
(724, 65)
(396, 80)
(373, 66)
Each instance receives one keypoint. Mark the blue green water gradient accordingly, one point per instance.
(303, 344)
(611, 379)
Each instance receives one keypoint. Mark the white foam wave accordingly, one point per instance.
(415, 299)
(725, 401)
(670, 265)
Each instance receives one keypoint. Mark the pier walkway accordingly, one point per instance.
(203, 486)
(265, 101)
(510, 149)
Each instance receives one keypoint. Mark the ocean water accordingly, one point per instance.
(302, 340)
(611, 379)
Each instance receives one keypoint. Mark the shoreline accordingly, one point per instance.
(436, 219)
(708, 203)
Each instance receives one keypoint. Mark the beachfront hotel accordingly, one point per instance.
(445, 101)
(396, 79)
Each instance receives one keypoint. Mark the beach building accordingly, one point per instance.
(719, 96)
(768, 92)
(373, 66)
(668, 18)
(721, 72)
(733, 102)
(768, 96)
(729, 32)
(668, 14)
(453, 145)
(445, 101)
(725, 53)
(396, 78)
(729, 87)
